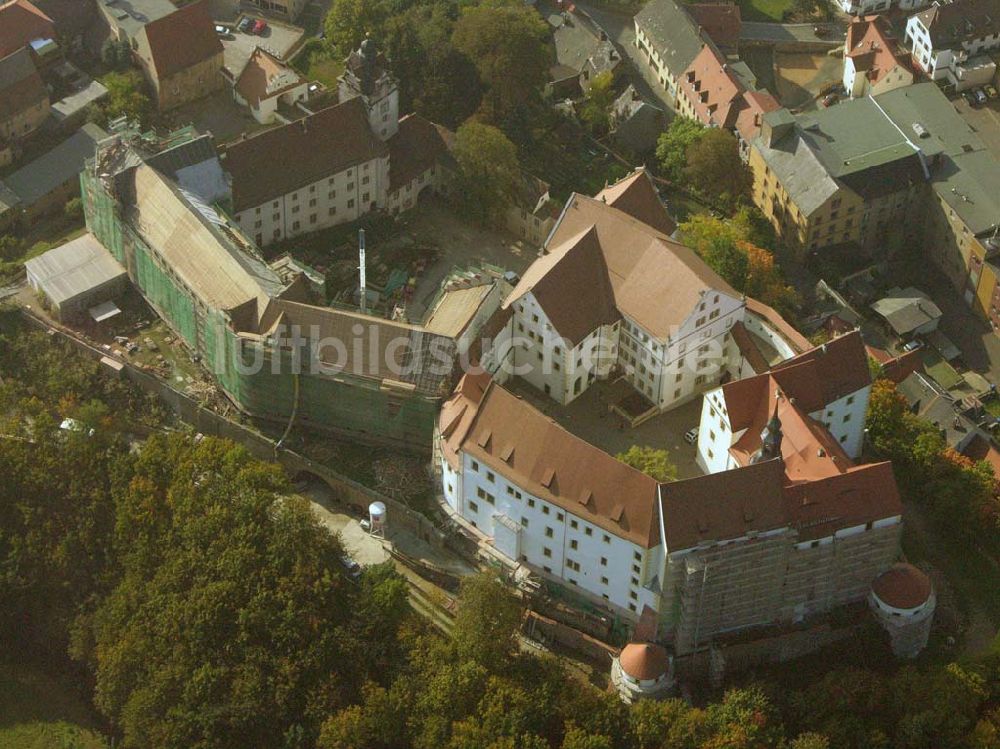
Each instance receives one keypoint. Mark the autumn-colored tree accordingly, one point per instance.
(651, 461)
(715, 169)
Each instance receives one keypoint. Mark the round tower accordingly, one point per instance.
(376, 519)
(642, 670)
(902, 599)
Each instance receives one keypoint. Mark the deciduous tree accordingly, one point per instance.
(487, 171)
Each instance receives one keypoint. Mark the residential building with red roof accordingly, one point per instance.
(872, 62)
(24, 100)
(181, 56)
(22, 23)
(708, 91)
(265, 83)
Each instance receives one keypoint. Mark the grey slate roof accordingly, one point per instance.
(74, 268)
(43, 175)
(906, 309)
(800, 171)
(672, 32)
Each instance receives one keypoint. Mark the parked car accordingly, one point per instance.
(260, 27)
(912, 345)
(245, 25)
(969, 97)
(352, 568)
(980, 96)
(223, 31)
(991, 92)
(691, 435)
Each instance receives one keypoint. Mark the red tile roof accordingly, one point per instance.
(257, 80)
(418, 145)
(21, 87)
(20, 24)
(182, 39)
(513, 438)
(752, 108)
(789, 333)
(871, 45)
(721, 21)
(281, 160)
(636, 195)
(903, 586)
(711, 89)
(840, 367)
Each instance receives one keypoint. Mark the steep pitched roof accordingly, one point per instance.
(283, 159)
(673, 33)
(711, 89)
(182, 39)
(655, 281)
(722, 22)
(417, 146)
(950, 24)
(871, 44)
(21, 87)
(570, 272)
(20, 24)
(752, 108)
(836, 369)
(519, 442)
(636, 195)
(265, 76)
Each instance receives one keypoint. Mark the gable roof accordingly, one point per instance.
(283, 159)
(837, 368)
(672, 32)
(416, 146)
(558, 467)
(182, 39)
(753, 107)
(711, 89)
(265, 76)
(569, 273)
(21, 87)
(35, 180)
(950, 24)
(20, 24)
(871, 45)
(654, 281)
(722, 22)
(636, 195)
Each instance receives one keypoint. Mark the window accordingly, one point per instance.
(607, 538)
(847, 418)
(631, 607)
(490, 477)
(547, 569)
(366, 198)
(312, 203)
(634, 581)
(531, 503)
(524, 522)
(573, 544)
(312, 218)
(604, 561)
(850, 400)
(545, 509)
(332, 194)
(365, 180)
(559, 516)
(475, 465)
(473, 506)
(547, 552)
(635, 569)
(350, 203)
(573, 524)
(295, 209)
(637, 556)
(548, 531)
(295, 226)
(633, 596)
(588, 531)
(481, 492)
(333, 210)
(295, 196)
(604, 581)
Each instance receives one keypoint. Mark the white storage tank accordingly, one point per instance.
(376, 518)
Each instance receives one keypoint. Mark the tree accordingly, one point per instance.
(673, 144)
(73, 209)
(715, 169)
(508, 43)
(10, 248)
(748, 268)
(486, 624)
(487, 171)
(348, 21)
(126, 97)
(810, 741)
(595, 108)
(116, 54)
(649, 460)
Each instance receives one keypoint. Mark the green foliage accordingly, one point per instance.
(714, 167)
(651, 461)
(73, 209)
(348, 21)
(958, 492)
(596, 107)
(730, 249)
(117, 55)
(507, 41)
(10, 248)
(487, 622)
(487, 171)
(126, 97)
(673, 144)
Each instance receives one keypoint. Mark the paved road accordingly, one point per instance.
(779, 33)
(621, 30)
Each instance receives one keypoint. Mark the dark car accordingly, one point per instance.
(245, 25)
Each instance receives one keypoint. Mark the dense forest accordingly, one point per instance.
(201, 605)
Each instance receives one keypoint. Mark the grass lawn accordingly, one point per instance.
(764, 10)
(41, 712)
(942, 372)
(316, 63)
